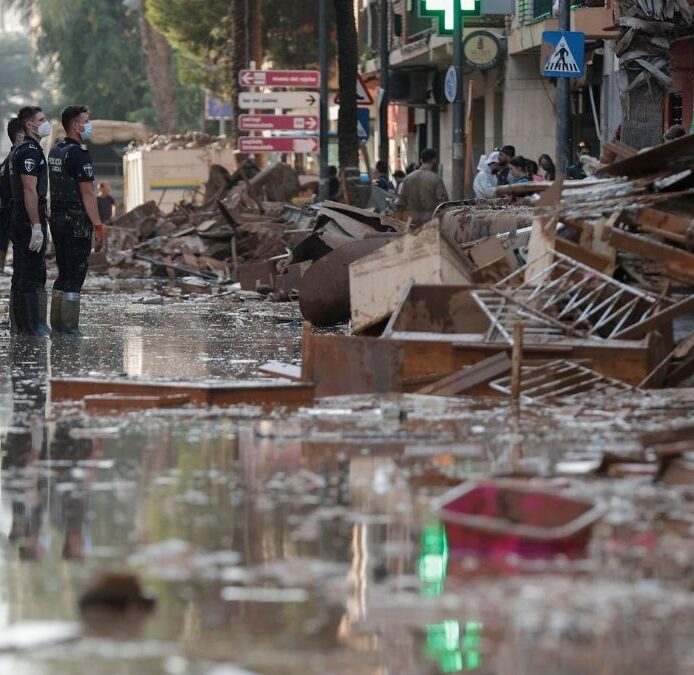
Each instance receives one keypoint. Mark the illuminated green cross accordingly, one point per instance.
(443, 11)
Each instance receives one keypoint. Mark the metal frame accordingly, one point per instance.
(588, 303)
(560, 378)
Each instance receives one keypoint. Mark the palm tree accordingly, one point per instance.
(348, 59)
(647, 28)
(160, 73)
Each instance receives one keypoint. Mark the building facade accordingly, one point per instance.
(512, 103)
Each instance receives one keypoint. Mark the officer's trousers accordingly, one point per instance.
(4, 230)
(29, 268)
(72, 238)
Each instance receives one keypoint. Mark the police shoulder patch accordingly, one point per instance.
(29, 164)
(88, 170)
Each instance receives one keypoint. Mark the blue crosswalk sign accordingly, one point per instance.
(563, 53)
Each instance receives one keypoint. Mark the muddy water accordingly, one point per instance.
(303, 541)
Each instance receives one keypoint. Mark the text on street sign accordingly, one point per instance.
(279, 78)
(279, 122)
(280, 99)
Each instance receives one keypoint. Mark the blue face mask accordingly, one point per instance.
(87, 131)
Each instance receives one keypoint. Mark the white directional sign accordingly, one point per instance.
(280, 99)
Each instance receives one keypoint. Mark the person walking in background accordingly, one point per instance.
(533, 171)
(422, 191)
(576, 171)
(506, 154)
(518, 171)
(106, 203)
(549, 170)
(399, 177)
(16, 134)
(485, 180)
(381, 177)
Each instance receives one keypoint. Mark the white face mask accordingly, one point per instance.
(44, 129)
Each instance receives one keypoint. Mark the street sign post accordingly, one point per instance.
(279, 122)
(279, 78)
(250, 144)
(563, 53)
(280, 99)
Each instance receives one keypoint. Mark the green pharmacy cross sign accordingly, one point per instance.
(443, 11)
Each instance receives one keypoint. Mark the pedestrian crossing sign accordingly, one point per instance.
(443, 11)
(563, 53)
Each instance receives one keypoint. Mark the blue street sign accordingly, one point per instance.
(363, 124)
(563, 53)
(451, 85)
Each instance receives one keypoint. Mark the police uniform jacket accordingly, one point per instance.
(28, 159)
(70, 164)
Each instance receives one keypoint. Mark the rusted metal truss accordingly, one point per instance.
(505, 312)
(587, 303)
(559, 378)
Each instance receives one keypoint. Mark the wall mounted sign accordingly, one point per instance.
(482, 50)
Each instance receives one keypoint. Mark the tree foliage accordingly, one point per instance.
(95, 48)
(200, 31)
(19, 81)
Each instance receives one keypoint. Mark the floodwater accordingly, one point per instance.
(304, 542)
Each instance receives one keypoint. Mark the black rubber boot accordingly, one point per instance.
(12, 313)
(43, 312)
(30, 316)
(70, 318)
(57, 311)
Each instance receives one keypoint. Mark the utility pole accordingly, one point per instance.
(383, 149)
(324, 93)
(564, 100)
(458, 163)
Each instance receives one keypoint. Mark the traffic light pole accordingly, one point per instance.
(564, 100)
(458, 162)
(383, 146)
(323, 190)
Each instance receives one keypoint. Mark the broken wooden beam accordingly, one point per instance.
(213, 394)
(469, 377)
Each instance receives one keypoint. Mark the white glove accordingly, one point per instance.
(36, 238)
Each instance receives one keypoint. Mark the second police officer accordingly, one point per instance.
(74, 217)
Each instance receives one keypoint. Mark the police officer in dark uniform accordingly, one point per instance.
(29, 224)
(74, 218)
(16, 134)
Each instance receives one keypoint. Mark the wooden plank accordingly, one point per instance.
(585, 256)
(659, 220)
(224, 394)
(680, 260)
(468, 377)
(95, 403)
(286, 370)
